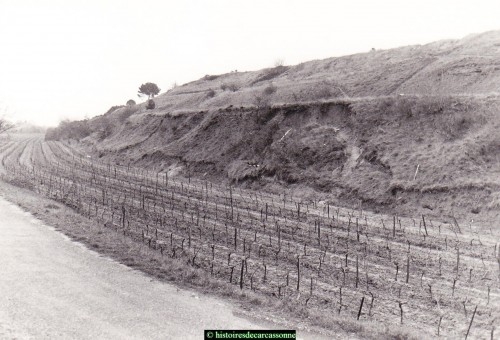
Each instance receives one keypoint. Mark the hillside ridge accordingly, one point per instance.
(465, 66)
(412, 130)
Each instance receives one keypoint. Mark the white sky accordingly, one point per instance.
(75, 59)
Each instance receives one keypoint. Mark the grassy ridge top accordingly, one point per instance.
(467, 66)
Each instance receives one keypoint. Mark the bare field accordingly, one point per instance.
(334, 265)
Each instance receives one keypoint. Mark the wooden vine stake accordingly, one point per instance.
(497, 256)
(241, 273)
(408, 268)
(401, 310)
(298, 272)
(361, 306)
(439, 323)
(425, 226)
(394, 226)
(340, 300)
(470, 324)
(371, 304)
(357, 272)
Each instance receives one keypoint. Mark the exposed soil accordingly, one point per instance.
(362, 153)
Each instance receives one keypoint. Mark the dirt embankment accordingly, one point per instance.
(403, 154)
(409, 130)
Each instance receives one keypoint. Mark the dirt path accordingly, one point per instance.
(54, 288)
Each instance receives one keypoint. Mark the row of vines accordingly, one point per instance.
(440, 276)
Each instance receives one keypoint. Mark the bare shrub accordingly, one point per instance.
(279, 62)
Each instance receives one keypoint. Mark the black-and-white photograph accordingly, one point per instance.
(267, 169)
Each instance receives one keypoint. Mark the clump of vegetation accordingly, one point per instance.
(210, 93)
(269, 90)
(271, 73)
(127, 112)
(69, 130)
(131, 102)
(150, 90)
(150, 104)
(233, 87)
(261, 101)
(210, 77)
(5, 125)
(264, 99)
(323, 92)
(113, 109)
(104, 128)
(410, 106)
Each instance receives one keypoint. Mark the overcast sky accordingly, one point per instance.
(75, 59)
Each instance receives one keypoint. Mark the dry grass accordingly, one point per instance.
(441, 68)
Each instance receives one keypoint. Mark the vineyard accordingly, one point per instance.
(441, 277)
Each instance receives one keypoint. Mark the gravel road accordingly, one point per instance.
(53, 288)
